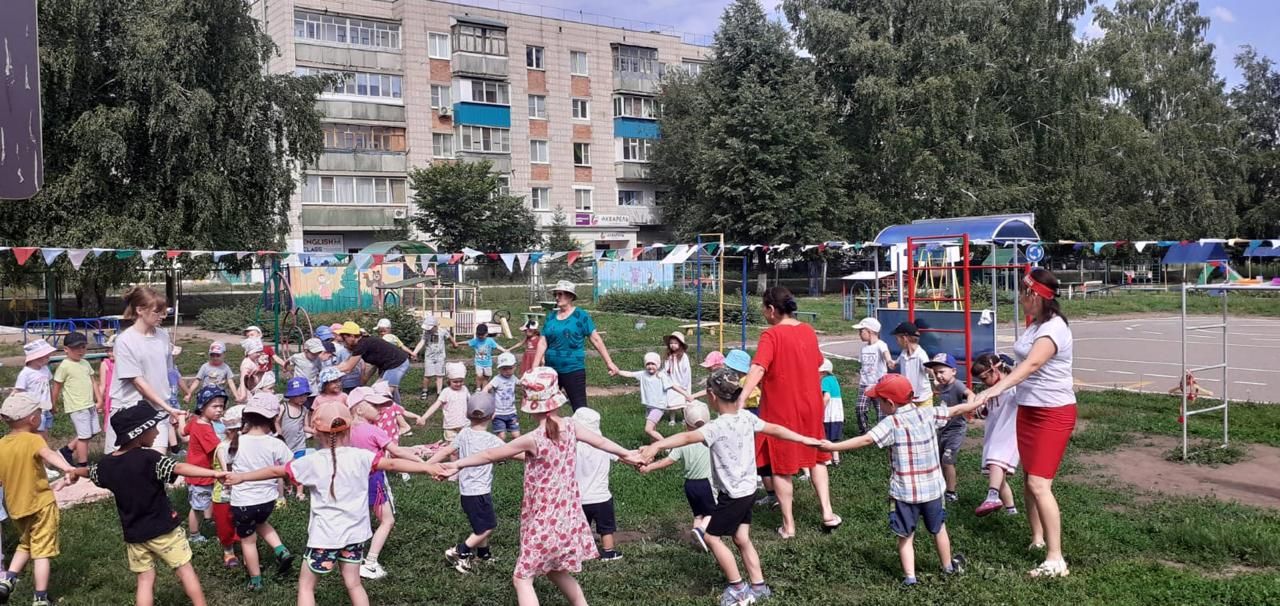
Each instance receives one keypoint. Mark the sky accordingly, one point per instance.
(1233, 22)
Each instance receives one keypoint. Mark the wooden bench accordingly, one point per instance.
(709, 327)
(811, 315)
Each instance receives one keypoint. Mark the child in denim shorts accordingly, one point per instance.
(503, 387)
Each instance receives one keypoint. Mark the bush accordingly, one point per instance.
(672, 304)
(232, 320)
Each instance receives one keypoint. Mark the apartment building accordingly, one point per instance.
(563, 109)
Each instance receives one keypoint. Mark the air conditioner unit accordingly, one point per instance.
(400, 213)
(446, 111)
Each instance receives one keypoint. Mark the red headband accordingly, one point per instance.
(1040, 289)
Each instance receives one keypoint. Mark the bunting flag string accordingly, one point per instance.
(77, 256)
(51, 254)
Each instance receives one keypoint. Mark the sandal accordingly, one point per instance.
(1050, 568)
(830, 526)
(784, 536)
(1035, 547)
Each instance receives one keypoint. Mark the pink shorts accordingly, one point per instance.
(653, 415)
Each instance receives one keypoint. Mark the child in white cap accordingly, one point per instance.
(253, 377)
(654, 386)
(432, 344)
(592, 471)
(503, 387)
(306, 364)
(253, 502)
(452, 400)
(874, 361)
(696, 458)
(475, 484)
(832, 406)
(35, 378)
(384, 330)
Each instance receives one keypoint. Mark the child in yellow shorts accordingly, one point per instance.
(137, 475)
(27, 497)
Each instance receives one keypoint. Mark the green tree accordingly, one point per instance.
(459, 206)
(163, 130)
(559, 240)
(1257, 99)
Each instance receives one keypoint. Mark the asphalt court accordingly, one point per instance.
(1145, 354)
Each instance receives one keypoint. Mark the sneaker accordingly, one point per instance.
(909, 582)
(700, 536)
(254, 586)
(372, 570)
(951, 497)
(422, 395)
(6, 588)
(671, 422)
(957, 565)
(737, 597)
(230, 561)
(1011, 511)
(761, 592)
(453, 556)
(766, 501)
(1050, 568)
(51, 474)
(196, 539)
(463, 566)
(284, 563)
(41, 602)
(610, 555)
(404, 477)
(988, 507)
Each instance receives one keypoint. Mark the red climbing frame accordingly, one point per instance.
(964, 267)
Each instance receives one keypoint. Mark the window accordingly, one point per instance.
(582, 154)
(363, 138)
(484, 139)
(533, 57)
(485, 91)
(438, 45)
(693, 68)
(538, 106)
(630, 198)
(538, 153)
(360, 84)
(354, 190)
(540, 198)
(345, 30)
(635, 60)
(582, 199)
(504, 186)
(476, 39)
(636, 150)
(581, 109)
(578, 63)
(440, 96)
(441, 145)
(626, 106)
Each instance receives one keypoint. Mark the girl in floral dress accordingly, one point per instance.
(554, 536)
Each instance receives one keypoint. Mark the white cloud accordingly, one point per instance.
(1222, 14)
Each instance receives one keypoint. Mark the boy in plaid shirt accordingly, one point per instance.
(916, 485)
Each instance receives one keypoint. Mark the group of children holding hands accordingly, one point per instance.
(247, 450)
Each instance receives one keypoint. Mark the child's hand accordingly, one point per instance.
(826, 445)
(447, 470)
(282, 503)
(645, 468)
(812, 442)
(421, 422)
(634, 459)
(647, 453)
(221, 476)
(232, 479)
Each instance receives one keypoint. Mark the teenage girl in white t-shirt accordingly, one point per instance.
(1046, 410)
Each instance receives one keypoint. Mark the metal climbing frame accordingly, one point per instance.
(1189, 390)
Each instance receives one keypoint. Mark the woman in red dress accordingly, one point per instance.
(785, 368)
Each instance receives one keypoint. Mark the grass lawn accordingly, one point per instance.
(1124, 547)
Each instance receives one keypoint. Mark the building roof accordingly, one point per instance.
(1192, 253)
(990, 229)
(1262, 249)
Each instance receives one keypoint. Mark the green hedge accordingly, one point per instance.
(233, 319)
(673, 304)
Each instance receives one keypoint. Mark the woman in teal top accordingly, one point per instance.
(562, 346)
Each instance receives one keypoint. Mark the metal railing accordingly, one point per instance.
(578, 16)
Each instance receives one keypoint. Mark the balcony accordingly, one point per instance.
(344, 56)
(631, 171)
(641, 215)
(357, 110)
(483, 66)
(501, 160)
(635, 128)
(481, 114)
(353, 217)
(635, 82)
(363, 161)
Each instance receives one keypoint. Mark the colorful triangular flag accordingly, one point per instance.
(51, 254)
(125, 254)
(534, 257)
(522, 260)
(471, 253)
(508, 259)
(147, 254)
(572, 256)
(219, 254)
(77, 256)
(22, 253)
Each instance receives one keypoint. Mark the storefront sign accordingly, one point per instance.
(590, 219)
(323, 243)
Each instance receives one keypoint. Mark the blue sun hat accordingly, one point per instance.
(297, 386)
(207, 394)
(738, 361)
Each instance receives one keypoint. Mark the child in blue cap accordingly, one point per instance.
(295, 423)
(951, 436)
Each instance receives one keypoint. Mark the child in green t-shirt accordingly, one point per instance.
(75, 385)
(696, 458)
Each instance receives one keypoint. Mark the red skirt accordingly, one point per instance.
(1043, 433)
(226, 528)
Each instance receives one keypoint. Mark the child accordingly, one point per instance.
(330, 389)
(294, 422)
(713, 361)
(503, 388)
(696, 458)
(951, 436)
(136, 475)
(731, 438)
(911, 363)
(999, 441)
(453, 400)
(34, 379)
(253, 332)
(306, 364)
(363, 403)
(916, 484)
(338, 479)
(202, 445)
(391, 416)
(253, 502)
(676, 367)
(74, 384)
(654, 386)
(875, 361)
(531, 338)
(27, 497)
(739, 362)
(475, 484)
(215, 372)
(432, 344)
(256, 375)
(484, 346)
(832, 407)
(221, 497)
(591, 469)
(554, 536)
(384, 330)
(108, 369)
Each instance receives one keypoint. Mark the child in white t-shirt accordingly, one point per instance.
(591, 468)
(731, 437)
(654, 386)
(911, 363)
(475, 484)
(453, 400)
(875, 361)
(337, 478)
(1000, 438)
